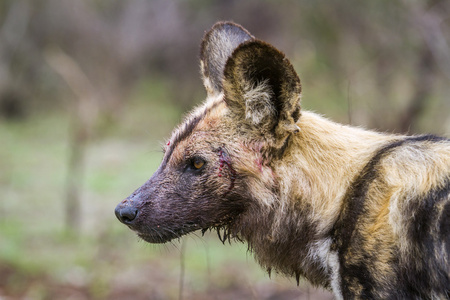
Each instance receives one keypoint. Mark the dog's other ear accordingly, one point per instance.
(217, 46)
(262, 91)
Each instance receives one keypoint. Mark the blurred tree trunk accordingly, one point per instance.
(75, 173)
(84, 112)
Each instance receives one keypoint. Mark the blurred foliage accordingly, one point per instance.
(116, 76)
(378, 55)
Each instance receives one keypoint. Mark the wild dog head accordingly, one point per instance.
(218, 164)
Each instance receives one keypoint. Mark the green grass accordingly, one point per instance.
(106, 257)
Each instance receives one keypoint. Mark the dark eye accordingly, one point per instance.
(198, 163)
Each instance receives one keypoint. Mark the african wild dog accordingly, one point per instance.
(362, 213)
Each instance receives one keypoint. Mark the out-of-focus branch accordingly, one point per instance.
(79, 83)
(434, 54)
(423, 86)
(428, 22)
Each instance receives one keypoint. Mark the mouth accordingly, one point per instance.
(161, 235)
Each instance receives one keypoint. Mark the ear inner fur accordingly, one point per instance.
(263, 90)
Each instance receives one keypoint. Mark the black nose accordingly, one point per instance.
(126, 214)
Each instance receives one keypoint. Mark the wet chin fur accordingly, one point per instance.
(156, 239)
(164, 235)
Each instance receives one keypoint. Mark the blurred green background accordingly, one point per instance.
(90, 89)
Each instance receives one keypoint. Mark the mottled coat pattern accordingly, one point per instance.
(362, 213)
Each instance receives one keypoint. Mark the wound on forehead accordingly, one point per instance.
(225, 161)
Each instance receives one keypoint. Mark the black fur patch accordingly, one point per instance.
(444, 229)
(354, 203)
(278, 153)
(426, 232)
(282, 251)
(345, 232)
(425, 213)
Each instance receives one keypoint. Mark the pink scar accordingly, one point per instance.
(225, 160)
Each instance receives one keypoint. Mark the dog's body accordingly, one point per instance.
(362, 213)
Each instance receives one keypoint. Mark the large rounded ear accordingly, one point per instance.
(262, 91)
(217, 46)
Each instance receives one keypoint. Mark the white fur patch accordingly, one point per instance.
(333, 262)
(210, 90)
(320, 251)
(329, 260)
